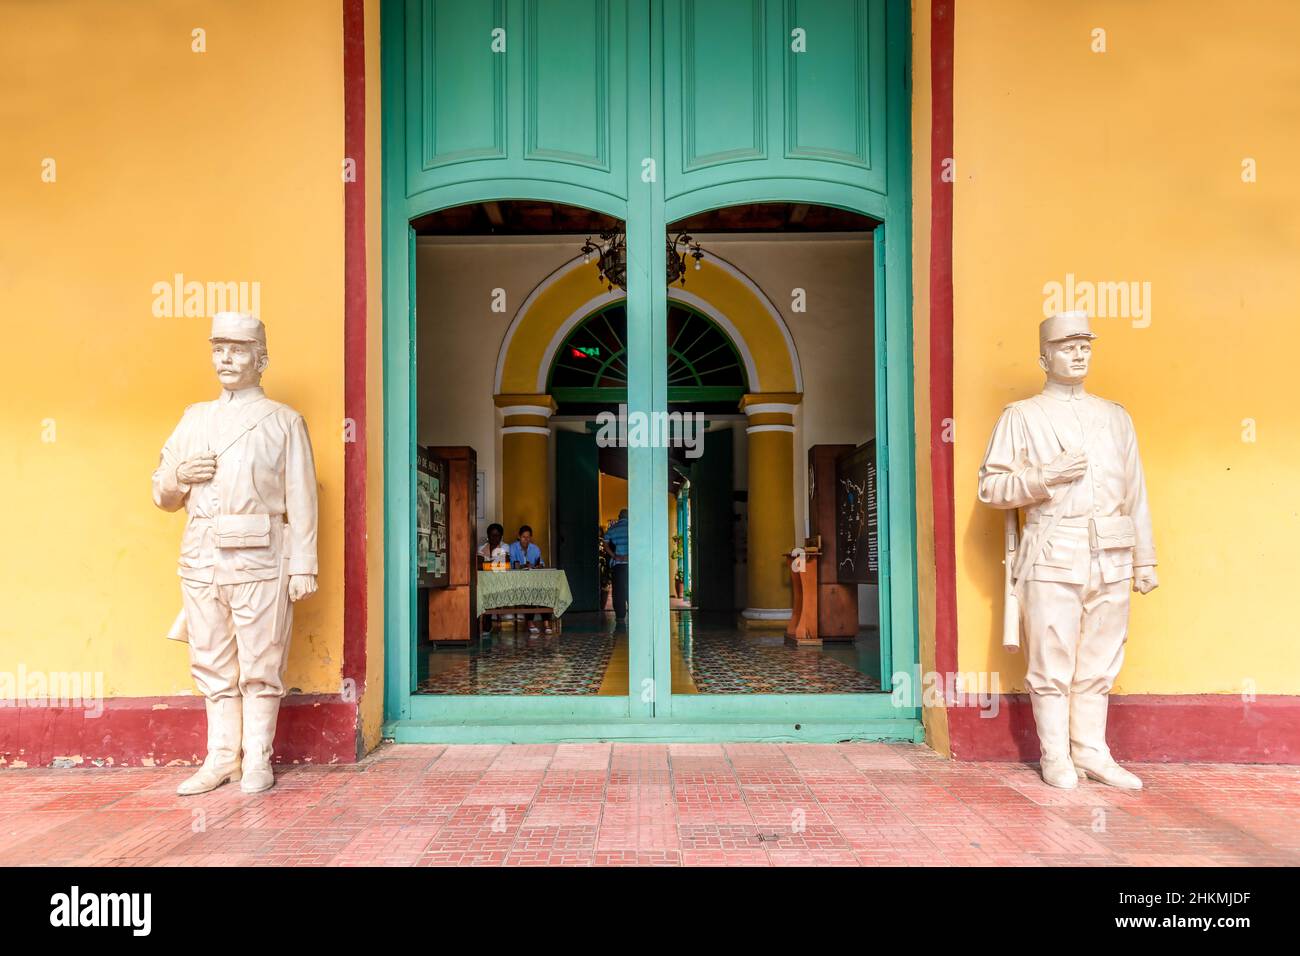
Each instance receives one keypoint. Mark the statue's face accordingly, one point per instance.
(1067, 361)
(238, 364)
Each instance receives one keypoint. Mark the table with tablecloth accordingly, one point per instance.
(538, 587)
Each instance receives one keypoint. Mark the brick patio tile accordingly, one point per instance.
(637, 858)
(563, 814)
(386, 846)
(756, 856)
(773, 775)
(812, 837)
(714, 836)
(640, 778)
(732, 812)
(524, 757)
(787, 813)
(1050, 841)
(459, 857)
(876, 755)
(756, 755)
(487, 816)
(627, 804)
(812, 857)
(881, 856)
(90, 800)
(464, 758)
(582, 757)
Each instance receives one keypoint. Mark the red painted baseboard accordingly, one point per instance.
(153, 731)
(1195, 728)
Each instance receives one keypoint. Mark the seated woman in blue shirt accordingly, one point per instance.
(524, 555)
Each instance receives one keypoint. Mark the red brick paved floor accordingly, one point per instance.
(860, 804)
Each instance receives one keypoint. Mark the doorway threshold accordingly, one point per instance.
(648, 730)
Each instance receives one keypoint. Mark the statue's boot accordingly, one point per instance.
(1088, 748)
(1052, 718)
(222, 761)
(260, 714)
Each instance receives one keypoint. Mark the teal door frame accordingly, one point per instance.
(428, 166)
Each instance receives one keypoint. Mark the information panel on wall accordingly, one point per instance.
(856, 529)
(431, 519)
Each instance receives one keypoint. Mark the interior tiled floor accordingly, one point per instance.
(710, 655)
(854, 804)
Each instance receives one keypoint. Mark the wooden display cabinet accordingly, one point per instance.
(453, 594)
(837, 604)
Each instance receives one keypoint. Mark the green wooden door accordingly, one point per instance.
(713, 563)
(649, 111)
(577, 516)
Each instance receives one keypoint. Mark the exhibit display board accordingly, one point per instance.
(857, 538)
(431, 517)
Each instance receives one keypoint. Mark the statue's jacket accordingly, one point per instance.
(1059, 542)
(256, 518)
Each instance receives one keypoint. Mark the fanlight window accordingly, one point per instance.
(703, 364)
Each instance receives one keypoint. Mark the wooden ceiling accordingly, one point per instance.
(522, 217)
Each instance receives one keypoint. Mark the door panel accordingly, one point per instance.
(528, 90)
(742, 105)
(713, 564)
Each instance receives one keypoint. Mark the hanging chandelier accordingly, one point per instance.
(611, 253)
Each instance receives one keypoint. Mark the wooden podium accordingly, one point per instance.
(802, 629)
(837, 605)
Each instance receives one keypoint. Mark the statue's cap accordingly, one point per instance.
(237, 327)
(1064, 325)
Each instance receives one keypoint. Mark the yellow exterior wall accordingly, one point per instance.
(223, 166)
(1126, 165)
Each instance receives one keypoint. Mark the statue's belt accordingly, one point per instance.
(1038, 520)
(1113, 532)
(239, 530)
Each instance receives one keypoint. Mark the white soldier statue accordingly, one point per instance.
(241, 466)
(1070, 460)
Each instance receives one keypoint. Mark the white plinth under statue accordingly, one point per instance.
(241, 466)
(1070, 460)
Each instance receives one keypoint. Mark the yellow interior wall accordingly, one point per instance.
(221, 165)
(571, 291)
(545, 316)
(1126, 165)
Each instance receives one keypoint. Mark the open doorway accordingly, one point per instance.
(511, 608)
(782, 479)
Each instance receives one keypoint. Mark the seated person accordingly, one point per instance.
(525, 555)
(493, 553)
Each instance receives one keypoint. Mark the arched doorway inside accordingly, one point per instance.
(707, 379)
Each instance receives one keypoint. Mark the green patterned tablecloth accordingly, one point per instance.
(541, 587)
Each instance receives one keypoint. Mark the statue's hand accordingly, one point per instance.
(197, 470)
(1144, 580)
(1065, 467)
(301, 586)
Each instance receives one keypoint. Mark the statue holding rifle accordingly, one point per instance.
(1070, 460)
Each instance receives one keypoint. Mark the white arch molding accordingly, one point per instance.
(674, 293)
